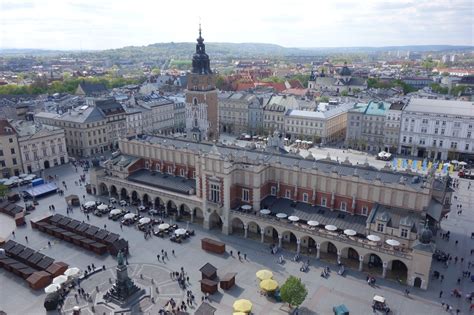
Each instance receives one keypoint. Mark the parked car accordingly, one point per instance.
(112, 200)
(123, 203)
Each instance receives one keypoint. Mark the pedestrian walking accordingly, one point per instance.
(13, 233)
(245, 256)
(172, 252)
(440, 294)
(26, 239)
(232, 253)
(158, 257)
(105, 226)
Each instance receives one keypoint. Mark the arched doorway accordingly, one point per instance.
(253, 231)
(271, 235)
(308, 245)
(103, 189)
(397, 270)
(237, 227)
(124, 194)
(159, 204)
(328, 252)
(135, 198)
(350, 257)
(373, 264)
(146, 200)
(417, 282)
(215, 221)
(289, 240)
(46, 164)
(198, 216)
(184, 212)
(171, 208)
(113, 191)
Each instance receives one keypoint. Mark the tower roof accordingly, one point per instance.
(201, 62)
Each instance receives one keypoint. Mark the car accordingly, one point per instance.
(112, 200)
(123, 203)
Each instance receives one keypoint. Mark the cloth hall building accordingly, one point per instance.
(252, 193)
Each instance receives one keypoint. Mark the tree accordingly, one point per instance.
(3, 190)
(344, 93)
(293, 291)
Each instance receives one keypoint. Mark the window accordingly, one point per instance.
(288, 193)
(422, 141)
(10, 140)
(424, 121)
(436, 131)
(215, 193)
(273, 191)
(466, 147)
(364, 210)
(305, 197)
(12, 150)
(434, 142)
(170, 170)
(182, 172)
(245, 195)
(468, 134)
(424, 129)
(440, 143)
(442, 131)
(14, 161)
(457, 124)
(194, 174)
(27, 156)
(1, 152)
(454, 145)
(380, 227)
(343, 206)
(2, 163)
(323, 202)
(404, 233)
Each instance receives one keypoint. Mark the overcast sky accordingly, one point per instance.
(102, 24)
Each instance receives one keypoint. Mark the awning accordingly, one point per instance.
(435, 210)
(41, 190)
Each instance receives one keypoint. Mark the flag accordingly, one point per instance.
(410, 163)
(430, 165)
(451, 168)
(394, 164)
(414, 164)
(399, 163)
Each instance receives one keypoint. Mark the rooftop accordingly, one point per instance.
(363, 171)
(320, 114)
(442, 107)
(164, 181)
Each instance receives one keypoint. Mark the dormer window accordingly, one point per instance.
(404, 233)
(380, 227)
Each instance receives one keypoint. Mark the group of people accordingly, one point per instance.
(181, 277)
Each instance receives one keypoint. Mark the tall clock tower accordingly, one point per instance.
(202, 112)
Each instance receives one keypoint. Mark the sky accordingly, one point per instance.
(104, 24)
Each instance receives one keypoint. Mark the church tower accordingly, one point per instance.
(202, 112)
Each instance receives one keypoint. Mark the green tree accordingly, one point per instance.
(436, 87)
(220, 82)
(458, 89)
(274, 79)
(3, 190)
(293, 291)
(155, 71)
(344, 93)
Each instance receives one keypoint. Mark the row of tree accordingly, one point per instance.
(41, 85)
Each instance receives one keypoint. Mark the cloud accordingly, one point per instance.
(92, 24)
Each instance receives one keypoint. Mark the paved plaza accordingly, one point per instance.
(352, 290)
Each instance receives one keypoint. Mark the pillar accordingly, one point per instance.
(384, 270)
(192, 216)
(280, 237)
(361, 263)
(318, 250)
(110, 193)
(338, 257)
(246, 229)
(262, 236)
(298, 246)
(141, 202)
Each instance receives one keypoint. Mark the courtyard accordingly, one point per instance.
(352, 290)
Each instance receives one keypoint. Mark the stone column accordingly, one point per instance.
(361, 263)
(298, 246)
(384, 270)
(318, 250)
(280, 237)
(246, 229)
(192, 215)
(338, 257)
(262, 236)
(110, 194)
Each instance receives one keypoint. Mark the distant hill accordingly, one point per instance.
(230, 50)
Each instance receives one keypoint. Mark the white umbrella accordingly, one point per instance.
(129, 216)
(180, 232)
(163, 226)
(453, 161)
(265, 211)
(246, 207)
(330, 227)
(14, 178)
(298, 141)
(141, 208)
(102, 207)
(281, 215)
(144, 220)
(313, 223)
(373, 238)
(89, 204)
(72, 272)
(60, 279)
(350, 232)
(23, 175)
(393, 242)
(293, 218)
(51, 288)
(115, 211)
(446, 164)
(462, 163)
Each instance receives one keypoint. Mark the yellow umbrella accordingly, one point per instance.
(268, 285)
(239, 313)
(264, 274)
(242, 305)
